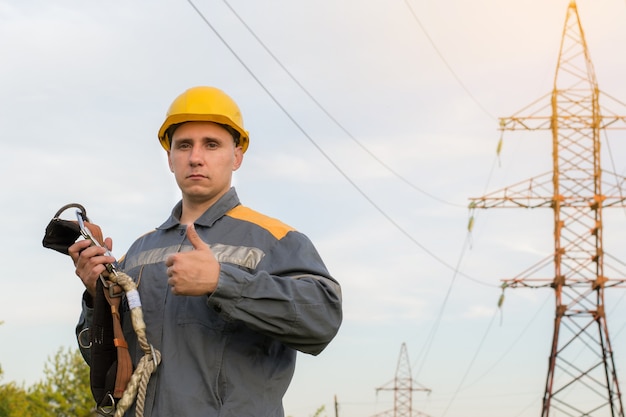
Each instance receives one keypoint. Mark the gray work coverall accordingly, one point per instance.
(231, 353)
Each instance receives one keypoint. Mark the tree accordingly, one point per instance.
(14, 402)
(64, 391)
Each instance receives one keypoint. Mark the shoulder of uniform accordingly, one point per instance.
(274, 226)
(140, 238)
(144, 236)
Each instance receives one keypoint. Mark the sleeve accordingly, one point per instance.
(290, 296)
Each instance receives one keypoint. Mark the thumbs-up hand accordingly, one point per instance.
(196, 272)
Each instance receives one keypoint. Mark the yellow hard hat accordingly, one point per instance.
(204, 104)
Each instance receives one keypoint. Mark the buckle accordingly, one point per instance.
(80, 339)
(115, 290)
(107, 410)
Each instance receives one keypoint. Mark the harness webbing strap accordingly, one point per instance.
(124, 362)
(111, 366)
(103, 364)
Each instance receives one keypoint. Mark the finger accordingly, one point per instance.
(195, 239)
(91, 252)
(75, 249)
(108, 242)
(92, 260)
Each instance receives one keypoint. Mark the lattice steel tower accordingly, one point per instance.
(581, 380)
(403, 386)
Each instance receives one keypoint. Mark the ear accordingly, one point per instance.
(238, 158)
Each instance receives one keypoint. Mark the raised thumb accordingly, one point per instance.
(194, 238)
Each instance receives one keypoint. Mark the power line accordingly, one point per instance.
(478, 349)
(423, 354)
(456, 77)
(515, 342)
(455, 269)
(430, 340)
(326, 156)
(331, 117)
(443, 59)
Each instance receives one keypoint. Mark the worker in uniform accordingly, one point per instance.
(229, 295)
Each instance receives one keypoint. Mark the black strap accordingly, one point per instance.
(103, 364)
(61, 234)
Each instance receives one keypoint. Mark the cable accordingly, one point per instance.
(610, 152)
(443, 59)
(433, 331)
(328, 158)
(430, 340)
(363, 194)
(478, 349)
(431, 336)
(515, 342)
(331, 117)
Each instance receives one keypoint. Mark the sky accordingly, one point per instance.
(371, 125)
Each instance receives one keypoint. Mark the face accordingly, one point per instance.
(203, 157)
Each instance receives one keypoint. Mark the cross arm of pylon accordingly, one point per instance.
(537, 192)
(531, 117)
(532, 193)
(610, 119)
(613, 185)
(538, 115)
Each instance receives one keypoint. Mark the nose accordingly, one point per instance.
(195, 156)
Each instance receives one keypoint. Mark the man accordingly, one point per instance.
(228, 294)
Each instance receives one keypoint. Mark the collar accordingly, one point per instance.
(222, 206)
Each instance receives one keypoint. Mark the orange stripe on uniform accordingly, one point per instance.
(277, 228)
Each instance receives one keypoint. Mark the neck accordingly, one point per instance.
(191, 214)
(192, 209)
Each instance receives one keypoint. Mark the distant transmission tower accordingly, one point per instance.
(403, 386)
(582, 380)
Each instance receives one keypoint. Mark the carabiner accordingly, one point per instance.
(86, 233)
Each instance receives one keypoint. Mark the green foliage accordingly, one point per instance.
(1, 372)
(319, 411)
(64, 391)
(14, 402)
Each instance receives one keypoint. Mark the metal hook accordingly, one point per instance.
(107, 410)
(86, 233)
(80, 337)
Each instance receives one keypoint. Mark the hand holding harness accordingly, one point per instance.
(114, 386)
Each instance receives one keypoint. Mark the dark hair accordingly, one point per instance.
(235, 134)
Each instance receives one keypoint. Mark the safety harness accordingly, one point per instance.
(114, 386)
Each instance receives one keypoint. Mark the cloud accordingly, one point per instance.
(479, 311)
(84, 88)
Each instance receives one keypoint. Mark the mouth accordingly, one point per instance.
(196, 177)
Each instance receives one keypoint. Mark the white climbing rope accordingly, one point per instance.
(138, 384)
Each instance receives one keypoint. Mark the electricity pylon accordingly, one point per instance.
(403, 386)
(581, 380)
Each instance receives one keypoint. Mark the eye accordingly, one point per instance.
(183, 145)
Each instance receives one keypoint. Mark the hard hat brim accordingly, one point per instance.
(187, 117)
